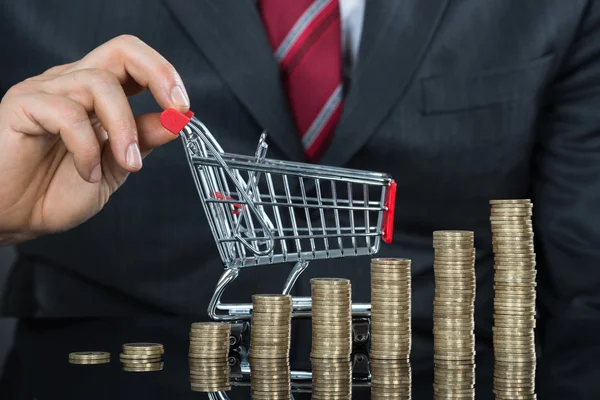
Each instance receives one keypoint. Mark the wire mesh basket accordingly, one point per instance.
(263, 211)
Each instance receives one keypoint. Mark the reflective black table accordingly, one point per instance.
(38, 363)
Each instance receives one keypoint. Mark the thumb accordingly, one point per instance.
(151, 134)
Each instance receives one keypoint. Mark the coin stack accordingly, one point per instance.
(514, 299)
(331, 378)
(390, 328)
(270, 375)
(270, 378)
(209, 356)
(453, 315)
(331, 318)
(390, 379)
(89, 357)
(331, 338)
(142, 357)
(271, 326)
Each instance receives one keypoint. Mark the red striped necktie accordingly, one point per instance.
(306, 38)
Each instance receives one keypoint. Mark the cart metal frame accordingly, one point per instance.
(256, 223)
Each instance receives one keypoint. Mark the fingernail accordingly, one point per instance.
(96, 174)
(179, 97)
(134, 158)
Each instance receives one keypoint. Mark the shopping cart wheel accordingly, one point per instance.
(360, 332)
(239, 366)
(360, 365)
(238, 329)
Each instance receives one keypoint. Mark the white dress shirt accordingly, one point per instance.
(352, 15)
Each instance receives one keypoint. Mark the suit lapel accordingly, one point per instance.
(396, 34)
(231, 35)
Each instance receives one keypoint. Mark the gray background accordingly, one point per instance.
(6, 324)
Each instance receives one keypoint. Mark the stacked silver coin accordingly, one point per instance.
(209, 356)
(270, 375)
(453, 315)
(390, 328)
(331, 338)
(514, 299)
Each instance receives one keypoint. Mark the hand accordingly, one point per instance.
(68, 137)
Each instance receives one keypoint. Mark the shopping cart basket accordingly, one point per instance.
(263, 211)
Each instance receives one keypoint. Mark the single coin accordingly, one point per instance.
(88, 361)
(330, 282)
(210, 325)
(143, 347)
(89, 355)
(391, 261)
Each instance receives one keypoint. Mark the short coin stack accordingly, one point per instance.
(453, 315)
(514, 299)
(270, 375)
(331, 338)
(89, 357)
(209, 356)
(142, 357)
(390, 328)
(271, 326)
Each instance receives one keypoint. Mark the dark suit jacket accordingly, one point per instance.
(462, 101)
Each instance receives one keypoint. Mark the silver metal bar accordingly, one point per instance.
(302, 385)
(293, 257)
(218, 396)
(326, 236)
(225, 211)
(367, 224)
(278, 223)
(351, 215)
(321, 206)
(299, 200)
(293, 276)
(322, 215)
(226, 278)
(286, 187)
(360, 230)
(297, 169)
(307, 214)
(253, 177)
(336, 214)
(301, 375)
(301, 308)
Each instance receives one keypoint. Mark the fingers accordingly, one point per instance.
(98, 85)
(41, 113)
(127, 57)
(151, 132)
(57, 70)
(100, 92)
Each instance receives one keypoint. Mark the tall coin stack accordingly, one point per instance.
(331, 378)
(142, 357)
(453, 315)
(331, 338)
(390, 328)
(514, 299)
(270, 375)
(209, 356)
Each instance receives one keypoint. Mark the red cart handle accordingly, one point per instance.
(388, 214)
(174, 121)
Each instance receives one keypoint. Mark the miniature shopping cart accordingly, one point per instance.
(263, 211)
